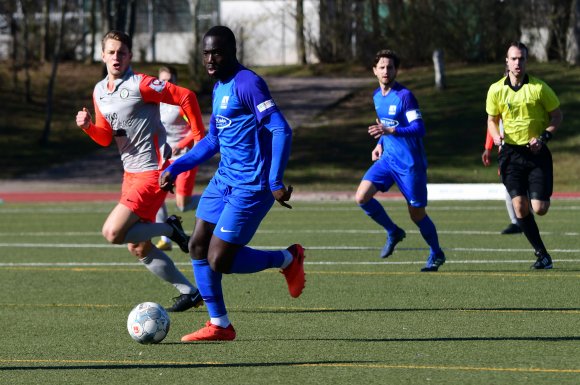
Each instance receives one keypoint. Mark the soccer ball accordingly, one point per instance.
(148, 323)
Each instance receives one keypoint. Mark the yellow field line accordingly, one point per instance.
(342, 365)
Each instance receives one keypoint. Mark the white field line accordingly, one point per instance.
(325, 206)
(326, 263)
(285, 231)
(351, 248)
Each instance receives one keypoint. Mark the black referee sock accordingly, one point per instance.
(530, 229)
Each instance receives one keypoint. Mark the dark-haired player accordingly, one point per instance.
(399, 158)
(253, 139)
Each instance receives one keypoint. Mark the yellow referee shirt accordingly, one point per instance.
(524, 112)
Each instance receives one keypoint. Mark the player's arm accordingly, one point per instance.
(486, 155)
(281, 143)
(204, 150)
(101, 132)
(536, 144)
(415, 126)
(493, 115)
(493, 129)
(155, 91)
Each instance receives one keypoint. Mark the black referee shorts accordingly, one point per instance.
(527, 174)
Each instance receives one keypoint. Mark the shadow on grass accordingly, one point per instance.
(402, 310)
(185, 365)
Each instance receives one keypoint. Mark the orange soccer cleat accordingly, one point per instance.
(294, 273)
(211, 332)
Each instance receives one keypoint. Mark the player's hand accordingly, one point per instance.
(283, 195)
(84, 118)
(166, 181)
(486, 157)
(377, 152)
(498, 140)
(535, 145)
(377, 130)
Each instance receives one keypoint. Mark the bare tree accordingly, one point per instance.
(300, 40)
(58, 44)
(573, 40)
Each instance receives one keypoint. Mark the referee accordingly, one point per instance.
(530, 111)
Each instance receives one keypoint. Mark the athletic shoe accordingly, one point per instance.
(543, 262)
(392, 240)
(162, 245)
(434, 262)
(512, 228)
(185, 302)
(294, 272)
(178, 235)
(211, 332)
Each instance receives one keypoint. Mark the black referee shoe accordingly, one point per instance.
(543, 262)
(185, 302)
(178, 235)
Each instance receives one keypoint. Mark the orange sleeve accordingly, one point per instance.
(101, 132)
(488, 142)
(154, 91)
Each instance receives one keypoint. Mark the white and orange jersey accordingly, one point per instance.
(130, 114)
(179, 134)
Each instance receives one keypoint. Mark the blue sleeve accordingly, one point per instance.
(254, 93)
(412, 116)
(415, 128)
(281, 143)
(202, 151)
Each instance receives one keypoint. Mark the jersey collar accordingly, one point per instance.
(516, 88)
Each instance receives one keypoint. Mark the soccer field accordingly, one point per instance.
(484, 318)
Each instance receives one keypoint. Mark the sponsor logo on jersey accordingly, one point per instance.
(124, 93)
(222, 122)
(389, 122)
(224, 103)
(265, 105)
(392, 109)
(157, 85)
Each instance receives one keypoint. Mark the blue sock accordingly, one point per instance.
(209, 284)
(377, 212)
(249, 260)
(429, 233)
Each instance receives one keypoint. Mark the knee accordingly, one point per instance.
(140, 250)
(361, 198)
(197, 250)
(218, 264)
(540, 207)
(417, 214)
(113, 236)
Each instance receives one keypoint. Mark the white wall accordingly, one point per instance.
(267, 29)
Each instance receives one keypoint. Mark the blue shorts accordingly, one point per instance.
(413, 186)
(236, 212)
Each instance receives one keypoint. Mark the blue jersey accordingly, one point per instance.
(240, 108)
(404, 150)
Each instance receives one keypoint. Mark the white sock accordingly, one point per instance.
(162, 214)
(288, 257)
(158, 263)
(510, 208)
(222, 321)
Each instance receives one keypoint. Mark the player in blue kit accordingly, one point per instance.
(253, 139)
(400, 158)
